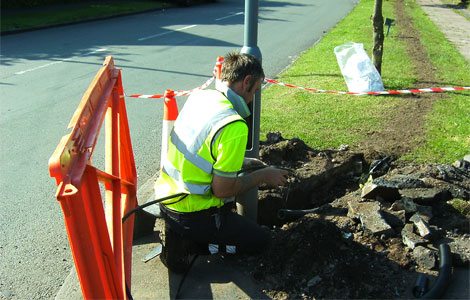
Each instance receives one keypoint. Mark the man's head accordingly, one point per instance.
(243, 74)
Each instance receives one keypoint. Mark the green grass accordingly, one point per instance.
(329, 120)
(448, 136)
(461, 206)
(44, 16)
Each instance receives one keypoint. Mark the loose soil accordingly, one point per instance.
(328, 254)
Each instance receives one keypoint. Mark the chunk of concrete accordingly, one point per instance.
(424, 212)
(395, 218)
(424, 257)
(461, 164)
(409, 205)
(421, 225)
(370, 216)
(372, 191)
(400, 181)
(460, 248)
(411, 239)
(422, 195)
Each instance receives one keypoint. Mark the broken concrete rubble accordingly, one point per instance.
(370, 238)
(416, 193)
(425, 212)
(410, 239)
(460, 248)
(424, 257)
(422, 226)
(395, 218)
(370, 216)
(424, 196)
(409, 205)
(372, 190)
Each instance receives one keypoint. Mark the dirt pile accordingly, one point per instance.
(375, 227)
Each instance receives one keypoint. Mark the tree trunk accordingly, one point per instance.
(378, 24)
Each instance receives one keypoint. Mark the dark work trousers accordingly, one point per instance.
(222, 227)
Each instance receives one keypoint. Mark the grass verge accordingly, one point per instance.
(329, 120)
(46, 16)
(448, 126)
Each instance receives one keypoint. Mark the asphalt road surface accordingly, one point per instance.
(45, 73)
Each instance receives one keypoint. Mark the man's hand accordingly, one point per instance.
(274, 177)
(223, 187)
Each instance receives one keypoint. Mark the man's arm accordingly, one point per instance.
(250, 162)
(224, 187)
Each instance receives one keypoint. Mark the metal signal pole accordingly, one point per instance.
(247, 204)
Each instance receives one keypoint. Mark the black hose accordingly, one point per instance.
(421, 286)
(284, 212)
(445, 267)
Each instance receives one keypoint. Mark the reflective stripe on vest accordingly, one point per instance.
(190, 152)
(199, 189)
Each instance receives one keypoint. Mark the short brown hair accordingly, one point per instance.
(237, 66)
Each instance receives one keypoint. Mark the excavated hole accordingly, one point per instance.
(318, 177)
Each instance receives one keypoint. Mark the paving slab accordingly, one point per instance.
(456, 28)
(210, 277)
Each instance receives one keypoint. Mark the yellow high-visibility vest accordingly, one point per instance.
(208, 120)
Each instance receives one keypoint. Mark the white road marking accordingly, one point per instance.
(183, 28)
(229, 16)
(57, 62)
(165, 33)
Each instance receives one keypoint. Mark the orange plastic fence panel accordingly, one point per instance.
(101, 245)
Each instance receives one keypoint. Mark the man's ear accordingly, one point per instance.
(247, 84)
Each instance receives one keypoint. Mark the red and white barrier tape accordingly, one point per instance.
(392, 92)
(410, 91)
(181, 92)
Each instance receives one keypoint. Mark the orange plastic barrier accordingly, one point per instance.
(218, 70)
(101, 244)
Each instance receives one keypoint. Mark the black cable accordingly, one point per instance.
(284, 212)
(150, 203)
(128, 291)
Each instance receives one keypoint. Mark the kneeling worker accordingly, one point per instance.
(206, 150)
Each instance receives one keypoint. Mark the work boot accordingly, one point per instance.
(175, 251)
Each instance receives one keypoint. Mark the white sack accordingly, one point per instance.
(357, 68)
